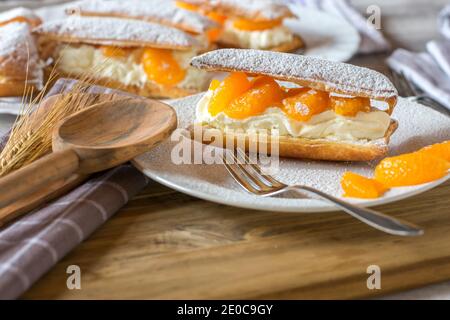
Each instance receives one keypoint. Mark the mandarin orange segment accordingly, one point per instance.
(305, 105)
(440, 150)
(213, 34)
(264, 93)
(161, 67)
(217, 17)
(114, 52)
(290, 92)
(357, 186)
(410, 169)
(232, 87)
(350, 107)
(187, 6)
(214, 84)
(256, 25)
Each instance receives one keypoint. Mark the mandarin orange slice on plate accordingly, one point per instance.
(440, 150)
(357, 186)
(161, 67)
(410, 169)
(305, 105)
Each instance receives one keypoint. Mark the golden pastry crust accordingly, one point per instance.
(13, 66)
(292, 46)
(302, 148)
(149, 90)
(14, 88)
(19, 59)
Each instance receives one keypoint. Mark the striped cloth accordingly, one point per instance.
(429, 70)
(444, 22)
(30, 246)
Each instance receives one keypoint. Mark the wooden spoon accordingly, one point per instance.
(57, 188)
(97, 138)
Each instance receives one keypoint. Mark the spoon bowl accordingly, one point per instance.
(114, 132)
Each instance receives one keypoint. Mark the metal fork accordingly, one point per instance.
(409, 89)
(251, 178)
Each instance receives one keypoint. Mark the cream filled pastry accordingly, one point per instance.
(322, 110)
(20, 66)
(328, 124)
(143, 58)
(253, 24)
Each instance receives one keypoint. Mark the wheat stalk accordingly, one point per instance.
(31, 134)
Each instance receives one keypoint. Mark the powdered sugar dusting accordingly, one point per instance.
(113, 30)
(17, 48)
(337, 76)
(18, 12)
(262, 9)
(162, 11)
(419, 126)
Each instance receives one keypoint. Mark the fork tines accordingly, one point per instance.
(248, 174)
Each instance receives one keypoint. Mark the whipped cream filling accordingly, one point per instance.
(262, 39)
(365, 126)
(87, 59)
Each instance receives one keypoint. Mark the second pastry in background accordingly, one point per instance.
(144, 58)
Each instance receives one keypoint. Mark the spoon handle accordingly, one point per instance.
(31, 178)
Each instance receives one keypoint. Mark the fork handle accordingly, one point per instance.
(373, 218)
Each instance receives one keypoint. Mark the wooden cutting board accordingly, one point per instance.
(168, 245)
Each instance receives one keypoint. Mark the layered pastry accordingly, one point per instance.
(253, 24)
(140, 57)
(20, 65)
(320, 110)
(158, 11)
(20, 14)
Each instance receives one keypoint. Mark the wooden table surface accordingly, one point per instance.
(165, 244)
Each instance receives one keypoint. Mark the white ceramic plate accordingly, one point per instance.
(326, 36)
(419, 126)
(11, 105)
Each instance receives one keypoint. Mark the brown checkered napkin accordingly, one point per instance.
(30, 246)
